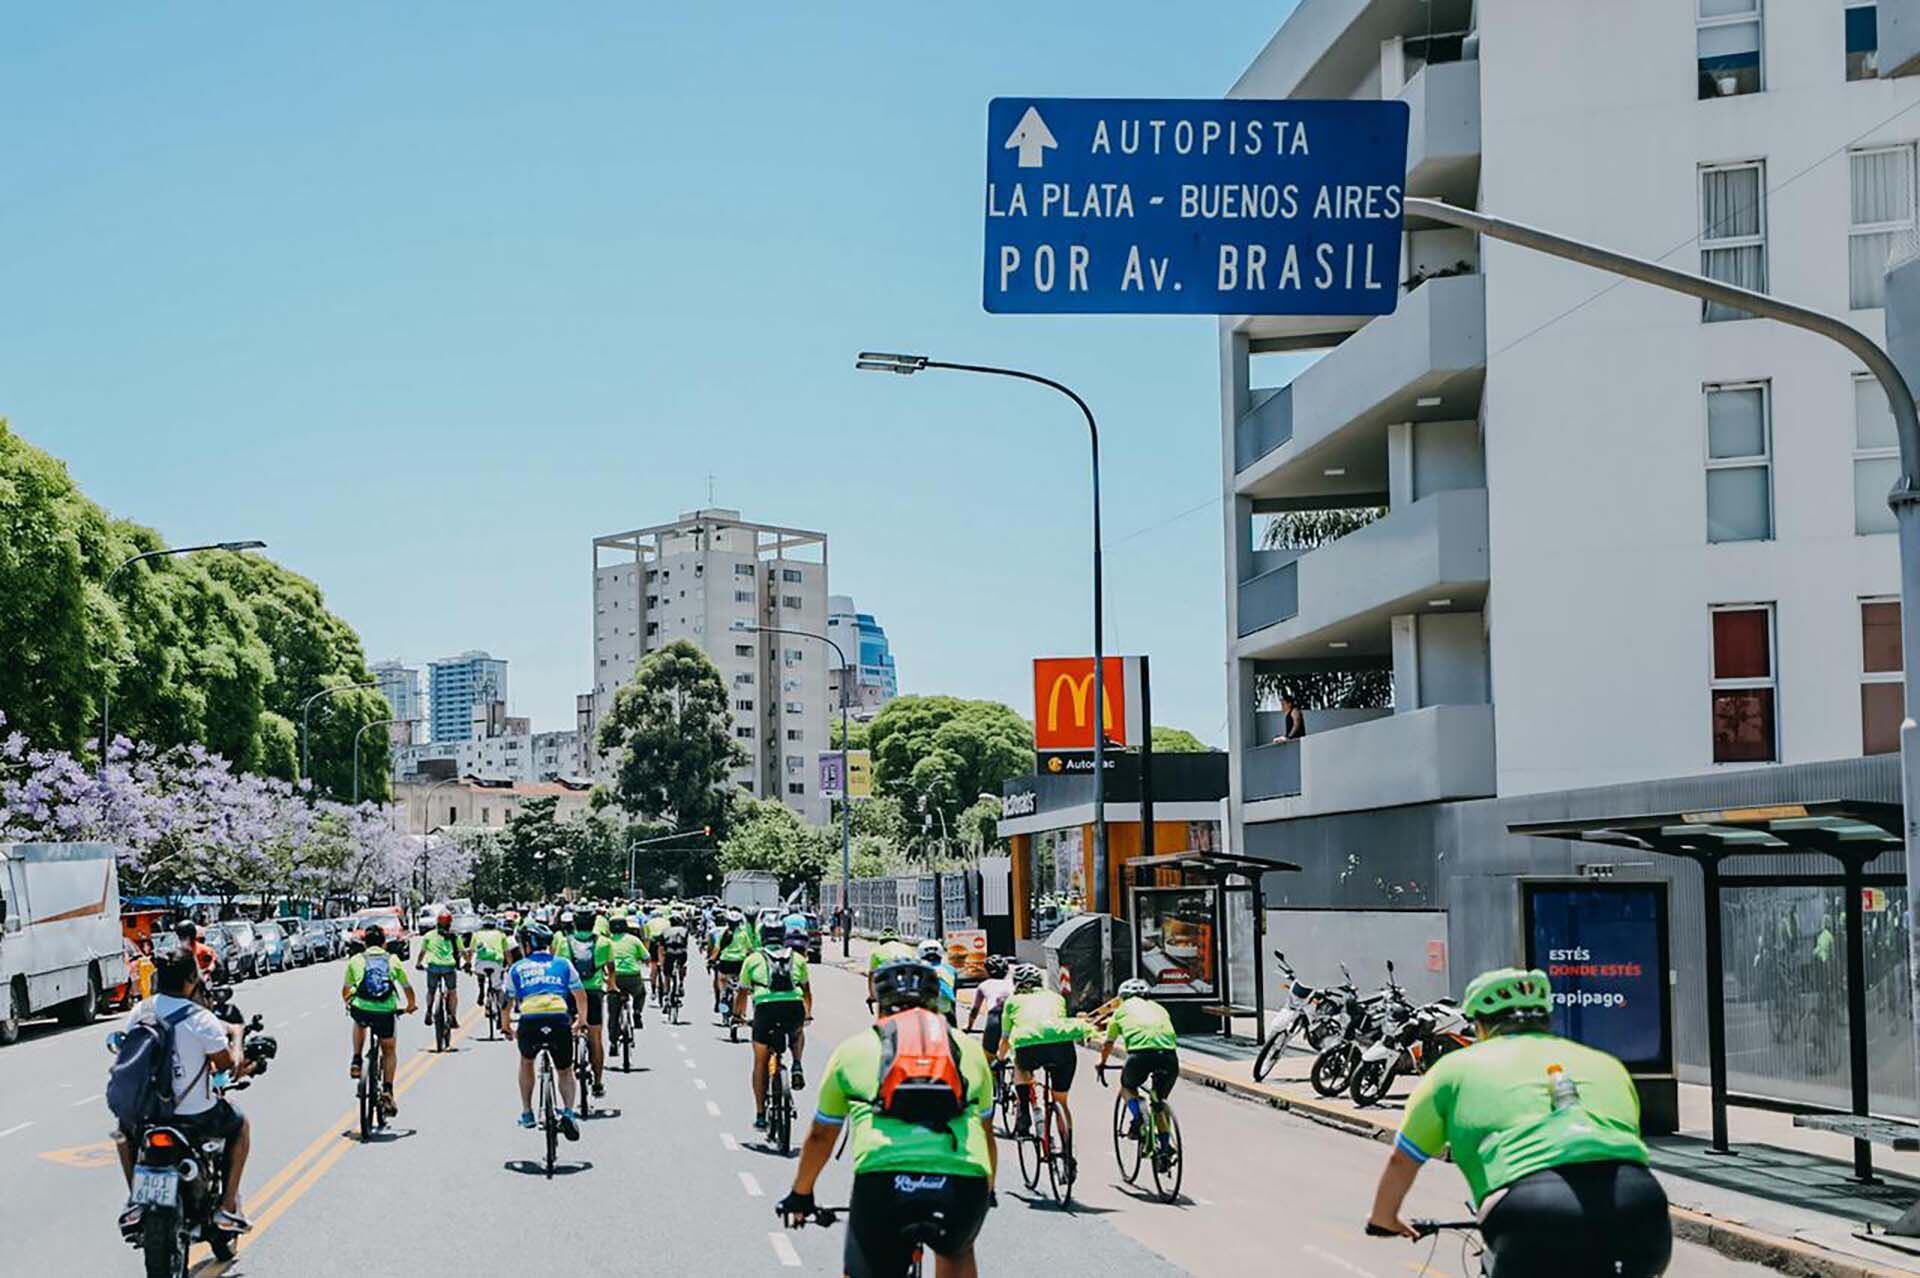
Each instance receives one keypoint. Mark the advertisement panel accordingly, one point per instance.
(1173, 931)
(1063, 703)
(859, 767)
(967, 951)
(1604, 947)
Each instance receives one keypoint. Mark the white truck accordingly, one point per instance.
(751, 890)
(60, 946)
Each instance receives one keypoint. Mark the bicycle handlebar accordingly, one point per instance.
(1423, 1228)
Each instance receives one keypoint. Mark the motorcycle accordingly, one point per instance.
(178, 1181)
(1414, 1039)
(1364, 1020)
(1314, 1013)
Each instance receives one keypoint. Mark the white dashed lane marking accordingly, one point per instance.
(17, 1127)
(748, 1183)
(85, 1100)
(700, 1084)
(783, 1248)
(728, 1143)
(713, 1110)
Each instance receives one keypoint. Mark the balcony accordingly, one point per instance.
(1443, 137)
(1421, 756)
(1899, 38)
(1337, 599)
(1423, 363)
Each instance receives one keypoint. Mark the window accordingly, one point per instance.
(1744, 730)
(1863, 42)
(743, 570)
(789, 601)
(795, 707)
(1727, 45)
(486, 816)
(790, 574)
(745, 676)
(795, 762)
(1876, 457)
(744, 703)
(1882, 216)
(1733, 231)
(1881, 691)
(743, 596)
(653, 601)
(1739, 468)
(796, 787)
(793, 656)
(743, 650)
(745, 734)
(796, 734)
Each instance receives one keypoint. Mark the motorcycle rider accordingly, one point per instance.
(202, 1046)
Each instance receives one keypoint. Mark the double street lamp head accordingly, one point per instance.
(887, 362)
(744, 627)
(242, 545)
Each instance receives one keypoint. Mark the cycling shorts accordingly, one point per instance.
(379, 1024)
(1060, 1060)
(1161, 1064)
(776, 1022)
(549, 1032)
(443, 978)
(728, 967)
(488, 965)
(634, 986)
(1581, 1220)
(990, 1032)
(889, 1212)
(596, 1007)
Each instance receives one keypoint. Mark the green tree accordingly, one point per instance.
(944, 752)
(1177, 741)
(671, 734)
(978, 829)
(767, 835)
(335, 722)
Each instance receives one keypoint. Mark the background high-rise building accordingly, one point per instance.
(400, 685)
(693, 579)
(454, 684)
(873, 682)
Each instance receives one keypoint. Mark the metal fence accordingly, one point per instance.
(905, 902)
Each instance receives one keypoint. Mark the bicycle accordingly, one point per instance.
(727, 1017)
(582, 1072)
(1154, 1140)
(490, 998)
(1424, 1229)
(1004, 1097)
(623, 1028)
(827, 1217)
(779, 1105)
(1048, 1144)
(670, 995)
(548, 1091)
(370, 1094)
(437, 1013)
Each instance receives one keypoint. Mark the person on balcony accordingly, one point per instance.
(1293, 723)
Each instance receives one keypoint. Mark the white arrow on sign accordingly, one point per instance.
(1031, 137)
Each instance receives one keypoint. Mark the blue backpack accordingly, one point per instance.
(140, 1081)
(376, 979)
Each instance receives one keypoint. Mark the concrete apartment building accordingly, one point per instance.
(870, 681)
(693, 579)
(1630, 551)
(400, 685)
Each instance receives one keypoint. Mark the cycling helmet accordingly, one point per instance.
(796, 936)
(997, 966)
(1134, 988)
(1028, 977)
(905, 984)
(538, 935)
(932, 951)
(583, 920)
(566, 920)
(443, 919)
(373, 935)
(618, 923)
(490, 923)
(796, 920)
(1507, 990)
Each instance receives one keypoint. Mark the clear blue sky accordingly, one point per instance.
(427, 295)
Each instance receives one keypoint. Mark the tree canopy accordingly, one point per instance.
(1177, 741)
(767, 835)
(940, 754)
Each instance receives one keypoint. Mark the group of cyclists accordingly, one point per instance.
(1545, 1131)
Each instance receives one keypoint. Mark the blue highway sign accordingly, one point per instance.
(1210, 207)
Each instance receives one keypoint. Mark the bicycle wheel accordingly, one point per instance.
(442, 1031)
(1060, 1169)
(1126, 1149)
(1028, 1148)
(780, 1112)
(1270, 1053)
(1169, 1155)
(1004, 1100)
(626, 1044)
(369, 1088)
(550, 1118)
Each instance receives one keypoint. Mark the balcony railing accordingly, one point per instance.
(1271, 771)
(1272, 596)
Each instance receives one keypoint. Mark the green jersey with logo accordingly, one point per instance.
(745, 941)
(1038, 1017)
(882, 1144)
(757, 974)
(1142, 1025)
(1492, 1104)
(629, 954)
(490, 945)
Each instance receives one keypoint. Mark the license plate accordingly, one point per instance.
(156, 1188)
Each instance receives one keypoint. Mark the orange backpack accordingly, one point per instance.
(920, 1079)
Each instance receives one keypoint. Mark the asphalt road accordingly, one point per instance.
(671, 1179)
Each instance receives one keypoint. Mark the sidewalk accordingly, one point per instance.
(1782, 1200)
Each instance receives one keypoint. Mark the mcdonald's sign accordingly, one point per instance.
(1063, 702)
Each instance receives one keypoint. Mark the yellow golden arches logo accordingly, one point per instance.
(1080, 690)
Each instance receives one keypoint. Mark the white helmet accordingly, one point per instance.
(1028, 977)
(932, 951)
(1134, 988)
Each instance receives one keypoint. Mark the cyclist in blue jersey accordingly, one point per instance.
(552, 1006)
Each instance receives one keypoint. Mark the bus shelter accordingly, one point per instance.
(1199, 921)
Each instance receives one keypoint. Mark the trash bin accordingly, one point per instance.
(1087, 958)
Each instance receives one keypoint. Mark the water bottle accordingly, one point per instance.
(1563, 1091)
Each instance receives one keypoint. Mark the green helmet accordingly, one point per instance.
(1505, 990)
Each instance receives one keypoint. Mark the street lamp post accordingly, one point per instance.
(846, 773)
(106, 687)
(364, 729)
(306, 732)
(906, 365)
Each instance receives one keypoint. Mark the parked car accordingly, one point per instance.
(226, 969)
(392, 922)
(319, 937)
(246, 958)
(274, 954)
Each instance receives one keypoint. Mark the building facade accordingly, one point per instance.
(1592, 534)
(698, 579)
(455, 685)
(872, 681)
(400, 685)
(423, 806)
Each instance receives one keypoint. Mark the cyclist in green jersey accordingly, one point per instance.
(629, 954)
(927, 1177)
(736, 940)
(1035, 1026)
(443, 955)
(891, 949)
(1546, 1132)
(488, 956)
(371, 990)
(776, 979)
(592, 958)
(1143, 1027)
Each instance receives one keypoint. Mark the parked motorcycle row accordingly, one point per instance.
(1363, 1042)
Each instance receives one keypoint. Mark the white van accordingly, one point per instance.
(60, 946)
